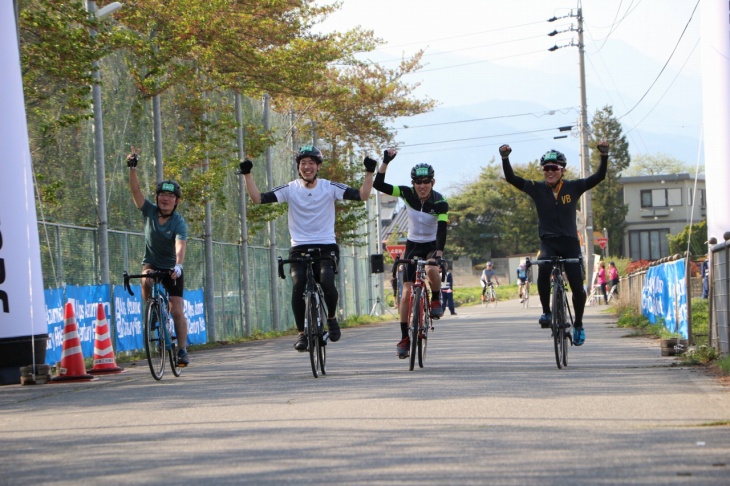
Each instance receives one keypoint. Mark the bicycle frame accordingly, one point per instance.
(314, 313)
(562, 318)
(167, 342)
(420, 321)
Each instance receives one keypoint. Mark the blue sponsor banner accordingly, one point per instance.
(665, 296)
(195, 314)
(128, 318)
(85, 301)
(54, 318)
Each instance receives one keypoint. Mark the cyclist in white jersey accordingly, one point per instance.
(311, 226)
(428, 216)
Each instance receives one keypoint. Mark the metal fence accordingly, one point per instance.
(69, 257)
(719, 298)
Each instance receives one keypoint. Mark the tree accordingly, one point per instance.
(609, 210)
(657, 164)
(695, 234)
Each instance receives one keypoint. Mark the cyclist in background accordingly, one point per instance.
(556, 200)
(428, 216)
(486, 280)
(311, 226)
(522, 280)
(165, 238)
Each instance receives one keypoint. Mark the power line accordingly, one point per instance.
(481, 138)
(666, 63)
(536, 115)
(477, 62)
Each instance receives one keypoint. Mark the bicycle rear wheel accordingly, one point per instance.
(526, 296)
(558, 328)
(172, 352)
(416, 313)
(321, 344)
(312, 337)
(154, 339)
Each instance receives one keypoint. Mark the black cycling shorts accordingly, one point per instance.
(174, 287)
(421, 250)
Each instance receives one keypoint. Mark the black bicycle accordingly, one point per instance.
(419, 309)
(159, 328)
(562, 318)
(315, 315)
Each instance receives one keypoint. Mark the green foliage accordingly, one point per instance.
(656, 164)
(609, 210)
(697, 239)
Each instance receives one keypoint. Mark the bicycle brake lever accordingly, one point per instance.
(281, 269)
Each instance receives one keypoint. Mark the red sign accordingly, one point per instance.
(602, 242)
(395, 250)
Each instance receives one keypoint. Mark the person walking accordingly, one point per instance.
(447, 293)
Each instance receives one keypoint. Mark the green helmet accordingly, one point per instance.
(421, 170)
(553, 157)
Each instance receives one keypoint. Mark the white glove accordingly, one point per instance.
(177, 271)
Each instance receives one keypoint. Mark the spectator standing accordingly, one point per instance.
(447, 293)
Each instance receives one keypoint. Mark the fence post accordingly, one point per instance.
(246, 301)
(272, 224)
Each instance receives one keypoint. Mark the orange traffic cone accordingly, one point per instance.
(104, 360)
(72, 359)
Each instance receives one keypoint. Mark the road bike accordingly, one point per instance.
(562, 318)
(421, 322)
(489, 296)
(526, 295)
(159, 328)
(315, 315)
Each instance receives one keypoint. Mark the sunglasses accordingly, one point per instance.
(425, 180)
(551, 168)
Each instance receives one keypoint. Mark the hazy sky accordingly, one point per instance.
(493, 54)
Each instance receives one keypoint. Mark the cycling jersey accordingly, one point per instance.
(521, 275)
(160, 238)
(427, 220)
(556, 215)
(311, 209)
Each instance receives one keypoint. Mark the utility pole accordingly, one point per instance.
(586, 206)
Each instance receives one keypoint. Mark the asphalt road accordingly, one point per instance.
(490, 407)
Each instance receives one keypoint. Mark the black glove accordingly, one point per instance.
(370, 164)
(387, 157)
(245, 166)
(602, 148)
(132, 160)
(504, 151)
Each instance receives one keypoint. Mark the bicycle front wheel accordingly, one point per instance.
(416, 313)
(557, 324)
(423, 336)
(311, 330)
(154, 339)
(321, 344)
(526, 296)
(492, 297)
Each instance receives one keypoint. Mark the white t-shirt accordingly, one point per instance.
(312, 210)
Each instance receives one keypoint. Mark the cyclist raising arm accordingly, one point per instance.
(428, 215)
(165, 237)
(556, 200)
(312, 226)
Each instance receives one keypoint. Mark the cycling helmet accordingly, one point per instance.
(309, 151)
(169, 186)
(421, 170)
(553, 157)
(489, 264)
(522, 265)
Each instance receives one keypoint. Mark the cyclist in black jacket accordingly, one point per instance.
(556, 200)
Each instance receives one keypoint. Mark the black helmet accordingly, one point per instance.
(421, 170)
(309, 151)
(169, 186)
(553, 157)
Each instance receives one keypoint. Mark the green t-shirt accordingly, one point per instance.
(159, 239)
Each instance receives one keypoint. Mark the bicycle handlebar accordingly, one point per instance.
(157, 275)
(553, 260)
(415, 261)
(306, 258)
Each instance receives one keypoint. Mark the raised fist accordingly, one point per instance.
(603, 147)
(389, 154)
(505, 150)
(370, 164)
(245, 166)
